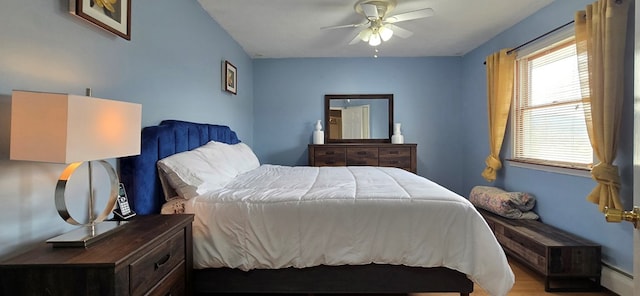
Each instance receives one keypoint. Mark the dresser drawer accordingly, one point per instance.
(362, 156)
(330, 156)
(147, 271)
(402, 156)
(399, 157)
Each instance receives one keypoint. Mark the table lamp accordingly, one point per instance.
(70, 129)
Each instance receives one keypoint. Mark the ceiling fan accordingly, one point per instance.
(380, 24)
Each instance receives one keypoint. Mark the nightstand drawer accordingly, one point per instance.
(362, 156)
(153, 266)
(172, 284)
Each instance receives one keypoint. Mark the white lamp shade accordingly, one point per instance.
(65, 128)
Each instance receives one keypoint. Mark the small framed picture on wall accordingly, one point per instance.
(111, 15)
(230, 78)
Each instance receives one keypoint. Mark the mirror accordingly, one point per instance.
(358, 118)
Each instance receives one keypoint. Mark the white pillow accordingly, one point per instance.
(206, 168)
(239, 156)
(167, 188)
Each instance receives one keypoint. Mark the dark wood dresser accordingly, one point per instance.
(150, 255)
(567, 262)
(371, 154)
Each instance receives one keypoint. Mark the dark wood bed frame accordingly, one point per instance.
(139, 174)
(371, 278)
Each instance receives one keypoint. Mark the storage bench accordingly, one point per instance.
(567, 262)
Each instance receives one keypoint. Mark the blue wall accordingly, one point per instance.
(172, 66)
(289, 98)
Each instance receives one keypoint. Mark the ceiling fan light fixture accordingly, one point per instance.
(379, 23)
(375, 40)
(385, 33)
(365, 34)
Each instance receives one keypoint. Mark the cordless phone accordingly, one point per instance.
(123, 211)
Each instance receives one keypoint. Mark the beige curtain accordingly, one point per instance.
(500, 71)
(600, 40)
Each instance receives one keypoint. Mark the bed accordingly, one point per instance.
(464, 249)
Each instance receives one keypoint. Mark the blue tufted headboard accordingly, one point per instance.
(139, 173)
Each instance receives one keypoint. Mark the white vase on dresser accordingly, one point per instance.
(397, 137)
(318, 134)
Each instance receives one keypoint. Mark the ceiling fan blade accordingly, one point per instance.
(344, 26)
(411, 15)
(370, 11)
(355, 39)
(400, 32)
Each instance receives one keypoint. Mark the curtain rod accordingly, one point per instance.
(537, 38)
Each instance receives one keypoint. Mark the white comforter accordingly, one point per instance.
(277, 216)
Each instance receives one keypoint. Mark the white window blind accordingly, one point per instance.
(548, 115)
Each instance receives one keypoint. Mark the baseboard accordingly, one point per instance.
(616, 281)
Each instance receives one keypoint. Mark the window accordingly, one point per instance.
(548, 115)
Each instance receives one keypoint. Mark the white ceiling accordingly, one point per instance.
(291, 28)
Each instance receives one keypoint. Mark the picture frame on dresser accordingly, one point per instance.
(111, 15)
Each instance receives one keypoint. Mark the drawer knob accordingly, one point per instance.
(161, 262)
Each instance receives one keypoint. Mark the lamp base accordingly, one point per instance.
(86, 235)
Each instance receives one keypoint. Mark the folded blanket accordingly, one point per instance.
(514, 205)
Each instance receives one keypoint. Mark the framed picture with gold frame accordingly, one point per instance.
(111, 15)
(230, 78)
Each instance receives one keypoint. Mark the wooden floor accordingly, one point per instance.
(528, 283)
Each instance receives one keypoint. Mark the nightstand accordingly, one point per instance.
(150, 255)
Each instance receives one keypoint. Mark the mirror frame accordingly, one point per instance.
(327, 106)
